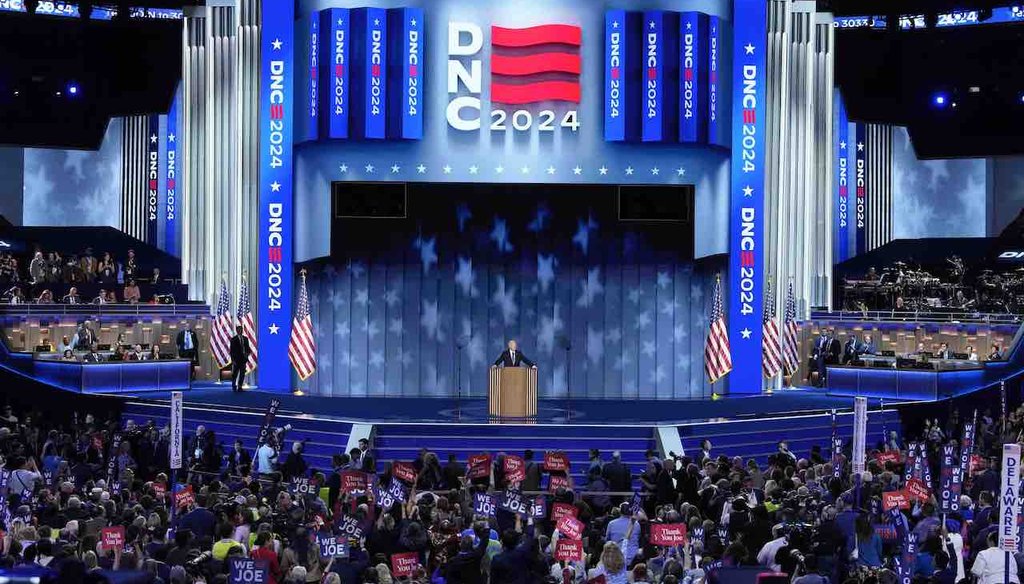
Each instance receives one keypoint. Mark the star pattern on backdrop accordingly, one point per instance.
(555, 293)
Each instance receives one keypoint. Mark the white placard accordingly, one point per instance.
(175, 430)
(1009, 502)
(860, 430)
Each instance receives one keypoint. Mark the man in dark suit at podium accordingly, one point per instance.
(513, 357)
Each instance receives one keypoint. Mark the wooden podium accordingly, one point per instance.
(512, 392)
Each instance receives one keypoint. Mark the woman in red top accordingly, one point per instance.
(264, 550)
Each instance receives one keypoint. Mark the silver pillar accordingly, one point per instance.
(220, 153)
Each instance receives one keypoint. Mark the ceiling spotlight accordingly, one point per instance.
(940, 99)
(73, 89)
(58, 94)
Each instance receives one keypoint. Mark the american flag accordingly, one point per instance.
(717, 358)
(790, 354)
(221, 332)
(771, 352)
(244, 316)
(302, 346)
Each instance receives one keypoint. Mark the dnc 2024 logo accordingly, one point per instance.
(530, 68)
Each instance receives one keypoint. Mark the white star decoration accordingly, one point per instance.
(447, 169)
(343, 168)
(655, 171)
(421, 169)
(412, 22)
(749, 48)
(577, 170)
(650, 25)
(395, 168)
(473, 169)
(499, 169)
(629, 171)
(615, 24)
(276, 43)
(603, 170)
(842, 145)
(680, 171)
(551, 170)
(525, 169)
(152, 139)
(745, 333)
(860, 146)
(369, 168)
(275, 187)
(748, 191)
(274, 328)
(170, 137)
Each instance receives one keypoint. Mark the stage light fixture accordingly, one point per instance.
(73, 89)
(940, 99)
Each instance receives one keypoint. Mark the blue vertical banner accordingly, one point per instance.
(693, 77)
(621, 76)
(369, 72)
(714, 65)
(335, 91)
(170, 186)
(405, 105)
(841, 214)
(861, 177)
(746, 214)
(660, 71)
(277, 119)
(310, 128)
(153, 179)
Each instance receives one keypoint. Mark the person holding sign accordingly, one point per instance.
(517, 555)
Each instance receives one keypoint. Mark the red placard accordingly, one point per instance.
(977, 463)
(112, 537)
(404, 564)
(515, 468)
(668, 534)
(353, 480)
(184, 497)
(599, 579)
(557, 481)
(560, 510)
(404, 471)
(570, 527)
(479, 466)
(569, 550)
(891, 456)
(159, 489)
(916, 489)
(556, 461)
(895, 499)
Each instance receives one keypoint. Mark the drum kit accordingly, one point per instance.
(902, 287)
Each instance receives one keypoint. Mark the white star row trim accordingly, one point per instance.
(525, 169)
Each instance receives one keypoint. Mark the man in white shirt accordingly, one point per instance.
(990, 564)
(24, 478)
(766, 557)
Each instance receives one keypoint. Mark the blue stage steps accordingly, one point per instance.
(758, 438)
(403, 442)
(748, 438)
(324, 437)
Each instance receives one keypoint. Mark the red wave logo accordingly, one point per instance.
(522, 73)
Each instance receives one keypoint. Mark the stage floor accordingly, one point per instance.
(585, 412)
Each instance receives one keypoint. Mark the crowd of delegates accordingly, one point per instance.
(116, 277)
(789, 514)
